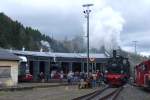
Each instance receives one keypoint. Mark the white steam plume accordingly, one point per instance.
(46, 44)
(105, 26)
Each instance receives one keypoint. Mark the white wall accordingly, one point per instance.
(13, 79)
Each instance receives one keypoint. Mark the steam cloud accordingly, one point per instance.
(46, 44)
(105, 26)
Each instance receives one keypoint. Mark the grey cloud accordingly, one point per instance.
(69, 22)
(60, 23)
(136, 14)
(143, 41)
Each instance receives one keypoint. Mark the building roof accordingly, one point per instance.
(5, 55)
(65, 55)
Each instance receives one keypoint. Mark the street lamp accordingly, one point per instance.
(87, 13)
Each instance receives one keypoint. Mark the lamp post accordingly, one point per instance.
(87, 13)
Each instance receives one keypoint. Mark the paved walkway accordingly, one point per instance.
(51, 93)
(27, 86)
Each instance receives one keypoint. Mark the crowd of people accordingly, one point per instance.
(83, 79)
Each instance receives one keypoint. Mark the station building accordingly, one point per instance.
(36, 62)
(8, 68)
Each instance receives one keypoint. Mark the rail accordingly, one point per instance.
(106, 93)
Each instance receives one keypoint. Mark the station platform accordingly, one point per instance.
(32, 85)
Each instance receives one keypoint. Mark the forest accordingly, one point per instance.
(13, 35)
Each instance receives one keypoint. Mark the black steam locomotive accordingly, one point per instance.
(117, 70)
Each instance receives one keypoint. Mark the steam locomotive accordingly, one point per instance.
(117, 70)
(142, 74)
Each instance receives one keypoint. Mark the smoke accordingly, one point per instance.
(105, 26)
(46, 44)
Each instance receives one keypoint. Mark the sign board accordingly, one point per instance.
(92, 59)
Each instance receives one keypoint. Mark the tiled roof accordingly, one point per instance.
(5, 55)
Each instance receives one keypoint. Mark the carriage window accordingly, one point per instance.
(144, 67)
(140, 67)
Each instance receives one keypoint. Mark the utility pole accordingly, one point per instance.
(135, 45)
(87, 13)
(52, 37)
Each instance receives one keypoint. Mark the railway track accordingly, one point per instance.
(106, 93)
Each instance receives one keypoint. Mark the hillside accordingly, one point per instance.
(14, 35)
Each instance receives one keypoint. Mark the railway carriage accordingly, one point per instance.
(142, 74)
(117, 70)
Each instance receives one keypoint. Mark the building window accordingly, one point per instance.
(5, 71)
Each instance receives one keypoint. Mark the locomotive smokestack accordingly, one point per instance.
(114, 53)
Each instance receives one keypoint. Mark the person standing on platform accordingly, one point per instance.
(70, 77)
(94, 80)
(61, 76)
(42, 77)
(98, 77)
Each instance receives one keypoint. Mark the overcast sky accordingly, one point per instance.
(64, 18)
